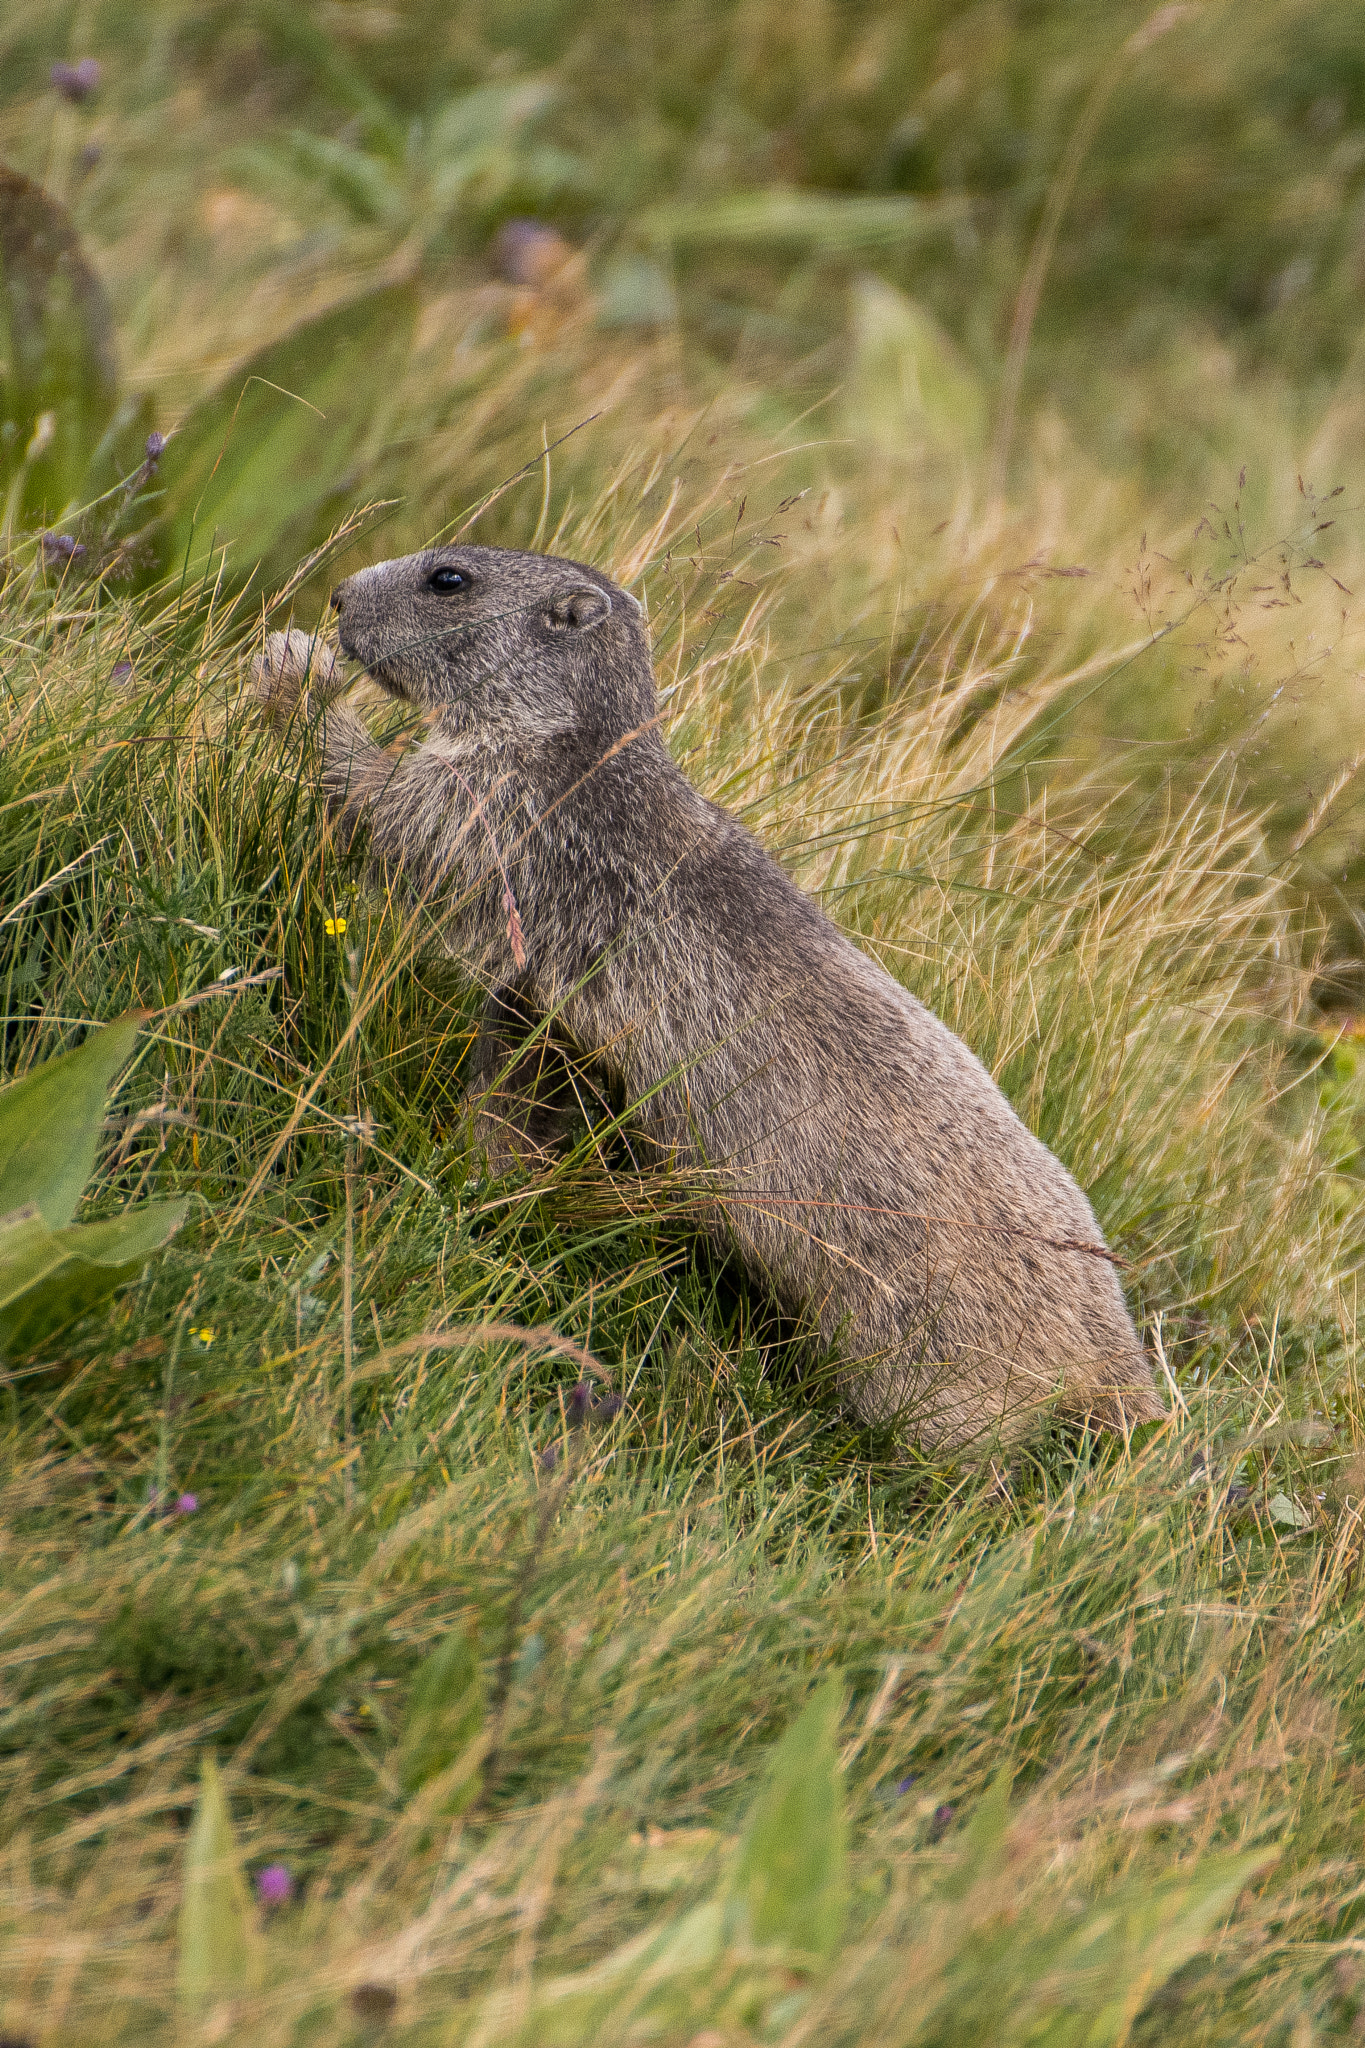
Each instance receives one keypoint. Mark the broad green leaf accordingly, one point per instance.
(217, 1926)
(982, 1838)
(645, 1968)
(635, 291)
(909, 388)
(50, 1121)
(1132, 1944)
(127, 1239)
(1288, 1512)
(262, 463)
(30, 1254)
(1027, 1973)
(445, 1714)
(490, 113)
(57, 370)
(831, 221)
(790, 1885)
(49, 1277)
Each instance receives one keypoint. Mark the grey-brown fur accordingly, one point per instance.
(862, 1158)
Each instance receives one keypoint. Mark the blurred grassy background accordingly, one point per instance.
(796, 236)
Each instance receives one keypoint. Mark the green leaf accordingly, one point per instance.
(262, 463)
(1282, 1508)
(830, 221)
(1128, 1947)
(909, 388)
(217, 1926)
(489, 113)
(49, 1277)
(444, 1717)
(50, 1122)
(30, 1254)
(1025, 1970)
(57, 371)
(790, 1886)
(983, 1837)
(634, 291)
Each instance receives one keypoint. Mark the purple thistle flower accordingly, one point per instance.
(904, 1784)
(61, 547)
(941, 1822)
(578, 1401)
(274, 1885)
(528, 253)
(187, 1503)
(121, 671)
(580, 1406)
(76, 82)
(155, 446)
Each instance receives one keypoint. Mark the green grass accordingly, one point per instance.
(1198, 312)
(1168, 1679)
(1098, 1738)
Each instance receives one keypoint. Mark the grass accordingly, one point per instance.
(1168, 1674)
(1171, 305)
(1070, 752)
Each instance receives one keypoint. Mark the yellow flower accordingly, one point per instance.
(335, 927)
(205, 1335)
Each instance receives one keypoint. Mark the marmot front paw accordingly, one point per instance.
(291, 667)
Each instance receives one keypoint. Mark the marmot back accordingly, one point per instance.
(860, 1157)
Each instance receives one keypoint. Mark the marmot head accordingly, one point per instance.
(523, 647)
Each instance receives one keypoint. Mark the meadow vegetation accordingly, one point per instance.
(447, 1610)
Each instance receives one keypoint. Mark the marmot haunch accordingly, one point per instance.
(863, 1160)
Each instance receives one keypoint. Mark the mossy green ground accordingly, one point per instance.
(901, 681)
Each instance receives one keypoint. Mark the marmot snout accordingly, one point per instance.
(862, 1159)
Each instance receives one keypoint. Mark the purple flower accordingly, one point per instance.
(274, 1885)
(61, 547)
(76, 82)
(155, 445)
(579, 1401)
(526, 252)
(903, 1785)
(580, 1406)
(187, 1503)
(941, 1822)
(121, 671)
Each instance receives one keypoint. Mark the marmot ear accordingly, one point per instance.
(574, 611)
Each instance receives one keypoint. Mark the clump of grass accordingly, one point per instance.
(742, 161)
(1159, 1639)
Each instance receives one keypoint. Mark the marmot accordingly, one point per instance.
(863, 1161)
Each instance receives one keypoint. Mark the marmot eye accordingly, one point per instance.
(446, 581)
